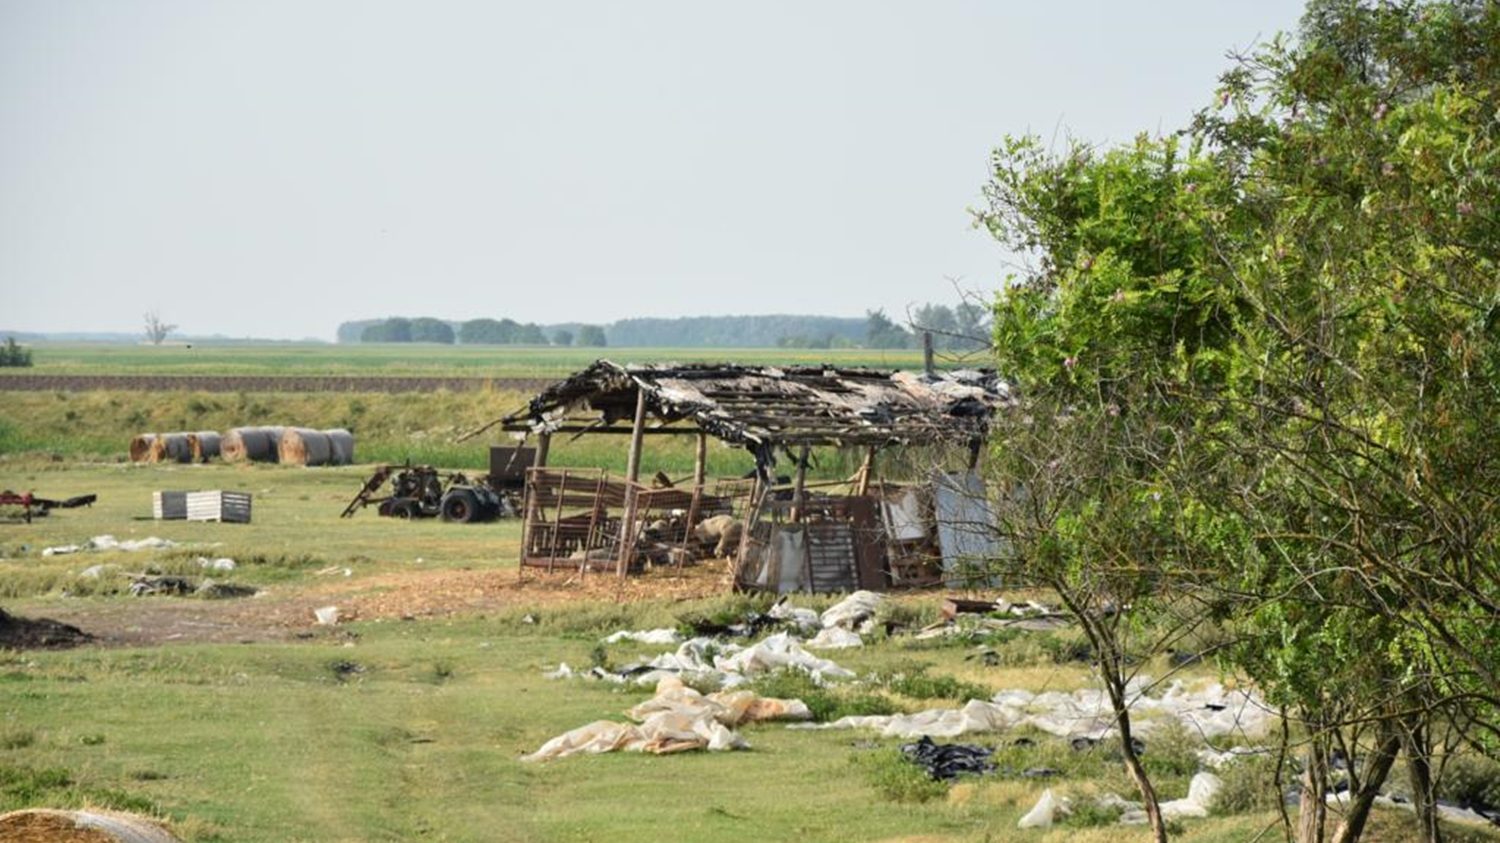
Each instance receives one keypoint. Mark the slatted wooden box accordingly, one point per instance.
(169, 506)
(219, 505)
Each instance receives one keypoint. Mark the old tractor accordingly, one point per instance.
(422, 491)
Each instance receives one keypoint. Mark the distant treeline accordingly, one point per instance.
(963, 327)
(472, 332)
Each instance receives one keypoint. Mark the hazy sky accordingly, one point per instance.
(273, 168)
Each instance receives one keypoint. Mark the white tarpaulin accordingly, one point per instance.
(966, 529)
(677, 719)
(1210, 712)
(645, 636)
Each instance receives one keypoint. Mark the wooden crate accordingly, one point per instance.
(219, 505)
(169, 506)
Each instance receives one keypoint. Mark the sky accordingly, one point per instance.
(273, 168)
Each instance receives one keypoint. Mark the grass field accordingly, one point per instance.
(241, 720)
(410, 359)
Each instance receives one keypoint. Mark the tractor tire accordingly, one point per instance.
(406, 509)
(460, 506)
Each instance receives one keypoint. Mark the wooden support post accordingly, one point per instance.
(700, 460)
(562, 495)
(798, 490)
(927, 365)
(626, 552)
(543, 445)
(633, 462)
(862, 485)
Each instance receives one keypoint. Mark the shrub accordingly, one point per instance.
(1249, 785)
(898, 779)
(825, 703)
(910, 679)
(14, 355)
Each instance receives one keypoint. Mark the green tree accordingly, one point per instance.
(486, 332)
(427, 329)
(1287, 326)
(13, 354)
(591, 336)
(562, 337)
(394, 329)
(881, 332)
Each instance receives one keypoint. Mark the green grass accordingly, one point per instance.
(398, 730)
(410, 359)
(394, 428)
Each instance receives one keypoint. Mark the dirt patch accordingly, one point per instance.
(38, 634)
(46, 826)
(285, 613)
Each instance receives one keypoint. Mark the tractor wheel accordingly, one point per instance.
(405, 509)
(461, 506)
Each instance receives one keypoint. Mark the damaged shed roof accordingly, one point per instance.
(761, 407)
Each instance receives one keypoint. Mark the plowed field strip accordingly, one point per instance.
(256, 383)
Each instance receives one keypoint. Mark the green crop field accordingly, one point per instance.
(409, 359)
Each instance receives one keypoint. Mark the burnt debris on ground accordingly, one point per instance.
(39, 633)
(949, 761)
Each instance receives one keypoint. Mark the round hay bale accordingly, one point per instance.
(252, 444)
(140, 446)
(343, 446)
(173, 447)
(209, 443)
(44, 825)
(305, 446)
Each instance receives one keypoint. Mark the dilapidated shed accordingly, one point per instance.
(575, 515)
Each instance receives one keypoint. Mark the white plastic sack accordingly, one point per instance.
(1201, 793)
(677, 719)
(777, 652)
(1041, 814)
(852, 612)
(645, 636)
(805, 619)
(835, 638)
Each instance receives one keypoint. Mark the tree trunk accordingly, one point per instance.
(1138, 774)
(1418, 750)
(1377, 767)
(1313, 809)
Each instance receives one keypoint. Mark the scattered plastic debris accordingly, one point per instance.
(855, 613)
(107, 542)
(221, 564)
(645, 636)
(327, 615)
(949, 761)
(777, 652)
(1043, 813)
(677, 719)
(835, 638)
(1211, 712)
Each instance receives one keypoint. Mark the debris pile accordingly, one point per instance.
(1211, 712)
(677, 719)
(705, 661)
(949, 761)
(18, 633)
(108, 542)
